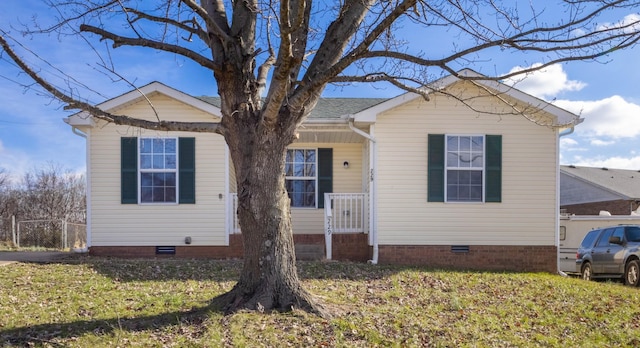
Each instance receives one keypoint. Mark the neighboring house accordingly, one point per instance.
(588, 190)
(401, 180)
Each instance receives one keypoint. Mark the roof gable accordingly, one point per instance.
(561, 116)
(136, 95)
(330, 110)
(621, 182)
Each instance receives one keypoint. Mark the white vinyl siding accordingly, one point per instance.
(527, 213)
(115, 224)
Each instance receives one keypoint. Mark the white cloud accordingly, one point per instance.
(15, 163)
(568, 142)
(629, 24)
(545, 83)
(598, 142)
(611, 117)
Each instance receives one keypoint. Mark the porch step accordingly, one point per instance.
(309, 251)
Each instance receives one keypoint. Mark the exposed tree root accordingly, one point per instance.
(265, 300)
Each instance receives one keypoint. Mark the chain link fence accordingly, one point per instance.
(47, 234)
(7, 226)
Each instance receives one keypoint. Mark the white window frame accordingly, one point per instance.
(164, 170)
(314, 178)
(447, 167)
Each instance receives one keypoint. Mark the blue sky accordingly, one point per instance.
(606, 94)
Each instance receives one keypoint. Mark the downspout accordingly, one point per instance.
(560, 135)
(373, 227)
(79, 133)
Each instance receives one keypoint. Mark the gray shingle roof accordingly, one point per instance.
(623, 181)
(327, 108)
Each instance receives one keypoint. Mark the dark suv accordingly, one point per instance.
(611, 252)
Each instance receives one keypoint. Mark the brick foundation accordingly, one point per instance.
(479, 257)
(351, 247)
(619, 207)
(354, 247)
(346, 247)
(234, 250)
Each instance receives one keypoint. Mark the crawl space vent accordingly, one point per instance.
(459, 248)
(165, 250)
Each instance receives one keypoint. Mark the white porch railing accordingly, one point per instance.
(344, 213)
(235, 225)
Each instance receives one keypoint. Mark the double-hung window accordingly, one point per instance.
(301, 177)
(465, 168)
(158, 170)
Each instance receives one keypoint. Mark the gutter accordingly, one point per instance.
(373, 227)
(78, 132)
(567, 132)
(560, 135)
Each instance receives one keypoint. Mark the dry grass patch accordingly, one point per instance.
(165, 303)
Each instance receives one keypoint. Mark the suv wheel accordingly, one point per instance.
(586, 271)
(632, 273)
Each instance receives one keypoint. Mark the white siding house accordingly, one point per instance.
(458, 181)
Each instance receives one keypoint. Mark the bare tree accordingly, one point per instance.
(272, 60)
(51, 193)
(5, 206)
(46, 193)
(4, 179)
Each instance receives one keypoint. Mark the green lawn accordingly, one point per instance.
(96, 302)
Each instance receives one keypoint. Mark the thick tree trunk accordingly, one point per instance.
(269, 279)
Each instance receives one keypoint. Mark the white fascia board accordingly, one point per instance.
(163, 89)
(562, 117)
(80, 119)
(369, 115)
(83, 118)
(331, 121)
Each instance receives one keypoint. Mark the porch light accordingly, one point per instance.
(345, 164)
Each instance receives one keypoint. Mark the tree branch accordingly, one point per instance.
(570, 47)
(76, 104)
(195, 30)
(127, 41)
(293, 42)
(423, 91)
(214, 17)
(323, 70)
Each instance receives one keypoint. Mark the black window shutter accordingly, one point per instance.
(325, 174)
(435, 170)
(129, 170)
(493, 165)
(187, 170)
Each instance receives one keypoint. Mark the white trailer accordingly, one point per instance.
(573, 229)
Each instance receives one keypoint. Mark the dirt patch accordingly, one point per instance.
(8, 257)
